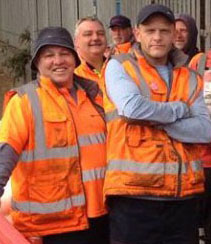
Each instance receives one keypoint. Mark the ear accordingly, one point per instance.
(136, 32)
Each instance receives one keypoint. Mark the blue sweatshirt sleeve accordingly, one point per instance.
(196, 128)
(125, 94)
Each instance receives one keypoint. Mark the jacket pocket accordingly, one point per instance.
(133, 135)
(50, 202)
(196, 172)
(147, 156)
(195, 167)
(146, 179)
(158, 92)
(55, 130)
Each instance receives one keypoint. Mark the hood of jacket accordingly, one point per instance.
(190, 49)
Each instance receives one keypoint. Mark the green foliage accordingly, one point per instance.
(17, 59)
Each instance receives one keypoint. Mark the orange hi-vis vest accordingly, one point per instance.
(84, 71)
(58, 182)
(142, 159)
(122, 48)
(198, 63)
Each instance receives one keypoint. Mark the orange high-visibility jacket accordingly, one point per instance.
(57, 183)
(122, 48)
(142, 159)
(86, 72)
(198, 63)
(83, 70)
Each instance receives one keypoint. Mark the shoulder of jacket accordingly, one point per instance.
(26, 87)
(122, 57)
(20, 91)
(89, 86)
(192, 71)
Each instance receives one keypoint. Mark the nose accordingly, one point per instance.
(178, 33)
(58, 59)
(157, 35)
(95, 36)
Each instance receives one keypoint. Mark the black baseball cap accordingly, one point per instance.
(151, 9)
(120, 21)
(57, 36)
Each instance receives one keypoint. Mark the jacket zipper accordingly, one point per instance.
(79, 165)
(179, 173)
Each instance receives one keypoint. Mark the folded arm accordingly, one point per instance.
(196, 128)
(130, 104)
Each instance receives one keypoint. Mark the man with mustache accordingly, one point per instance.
(121, 32)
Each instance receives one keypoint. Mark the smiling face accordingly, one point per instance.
(90, 39)
(156, 36)
(58, 64)
(181, 39)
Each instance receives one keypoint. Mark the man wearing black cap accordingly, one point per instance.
(52, 141)
(121, 33)
(155, 117)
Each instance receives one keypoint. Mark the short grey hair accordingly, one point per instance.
(88, 18)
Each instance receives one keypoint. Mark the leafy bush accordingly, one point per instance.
(17, 59)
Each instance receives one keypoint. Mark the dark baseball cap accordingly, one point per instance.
(151, 9)
(53, 36)
(120, 21)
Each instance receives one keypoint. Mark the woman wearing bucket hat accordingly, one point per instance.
(52, 141)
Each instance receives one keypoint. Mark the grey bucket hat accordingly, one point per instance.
(55, 36)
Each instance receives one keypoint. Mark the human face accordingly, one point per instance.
(120, 35)
(58, 64)
(156, 36)
(182, 35)
(90, 39)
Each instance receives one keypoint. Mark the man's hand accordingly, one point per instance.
(5, 201)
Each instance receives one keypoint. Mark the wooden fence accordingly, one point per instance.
(18, 15)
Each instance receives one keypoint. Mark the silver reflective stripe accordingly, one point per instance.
(173, 168)
(94, 174)
(202, 64)
(196, 165)
(38, 118)
(91, 139)
(146, 168)
(193, 84)
(57, 152)
(144, 88)
(41, 152)
(49, 208)
(112, 115)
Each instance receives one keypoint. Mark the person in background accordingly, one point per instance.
(52, 142)
(121, 32)
(186, 35)
(90, 43)
(153, 106)
(202, 64)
